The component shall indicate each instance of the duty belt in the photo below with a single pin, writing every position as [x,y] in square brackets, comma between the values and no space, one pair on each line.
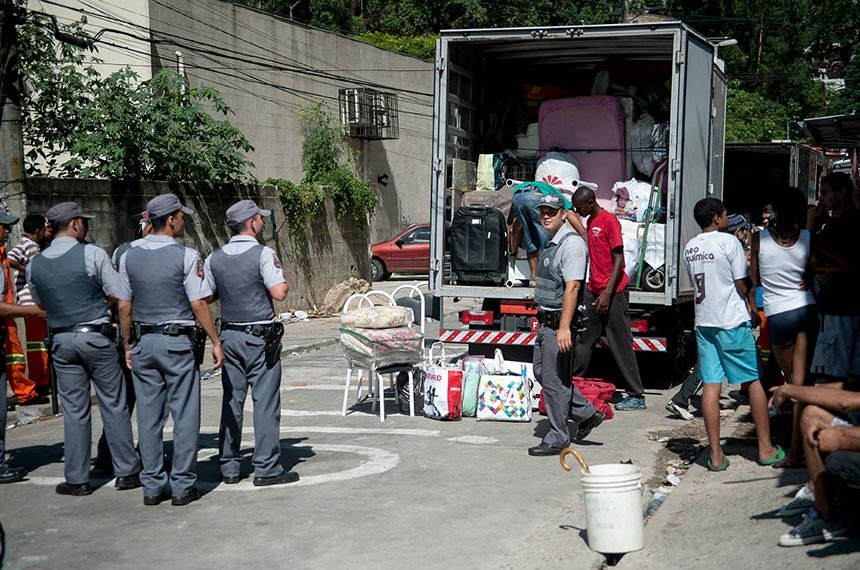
[549,319]
[105,329]
[270,332]
[259,330]
[169,330]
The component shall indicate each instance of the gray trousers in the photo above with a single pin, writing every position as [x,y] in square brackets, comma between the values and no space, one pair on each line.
[561,399]
[616,323]
[164,370]
[245,367]
[79,358]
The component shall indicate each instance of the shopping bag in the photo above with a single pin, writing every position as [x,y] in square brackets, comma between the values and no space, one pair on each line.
[443,386]
[504,398]
[473,369]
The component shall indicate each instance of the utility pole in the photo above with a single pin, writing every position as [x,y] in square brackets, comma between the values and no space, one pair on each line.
[11,139]
[625,11]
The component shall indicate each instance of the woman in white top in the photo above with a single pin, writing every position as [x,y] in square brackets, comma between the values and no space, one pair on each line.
[778,262]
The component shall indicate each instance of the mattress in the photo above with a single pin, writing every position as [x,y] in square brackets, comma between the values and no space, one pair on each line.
[592,130]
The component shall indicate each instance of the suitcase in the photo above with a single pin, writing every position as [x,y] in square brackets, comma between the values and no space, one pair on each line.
[479,246]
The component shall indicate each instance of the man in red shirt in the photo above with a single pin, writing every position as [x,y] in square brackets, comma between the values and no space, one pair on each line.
[606,299]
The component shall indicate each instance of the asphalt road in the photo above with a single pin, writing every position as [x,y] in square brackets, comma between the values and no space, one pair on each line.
[407,491]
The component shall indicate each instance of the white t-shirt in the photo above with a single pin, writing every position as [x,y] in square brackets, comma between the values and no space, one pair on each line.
[715,260]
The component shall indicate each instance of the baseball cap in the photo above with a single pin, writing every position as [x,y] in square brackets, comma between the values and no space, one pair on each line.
[244,210]
[65,212]
[738,222]
[551,201]
[164,205]
[143,220]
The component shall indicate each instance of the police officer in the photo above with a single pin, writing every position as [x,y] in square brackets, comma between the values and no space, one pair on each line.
[9,474]
[162,287]
[73,281]
[247,276]
[103,460]
[561,270]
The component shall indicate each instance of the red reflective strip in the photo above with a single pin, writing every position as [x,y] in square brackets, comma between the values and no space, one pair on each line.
[497,338]
[480,337]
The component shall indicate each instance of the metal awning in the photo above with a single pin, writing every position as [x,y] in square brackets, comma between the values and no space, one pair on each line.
[836,131]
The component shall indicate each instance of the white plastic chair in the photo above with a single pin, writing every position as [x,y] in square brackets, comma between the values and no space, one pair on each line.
[375,371]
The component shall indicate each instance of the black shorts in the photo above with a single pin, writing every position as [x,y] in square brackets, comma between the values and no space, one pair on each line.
[784,327]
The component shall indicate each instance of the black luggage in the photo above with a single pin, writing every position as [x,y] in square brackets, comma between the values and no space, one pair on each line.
[479,246]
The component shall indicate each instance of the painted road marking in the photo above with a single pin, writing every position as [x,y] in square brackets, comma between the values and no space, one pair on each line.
[374,461]
[304,413]
[474,439]
[213,431]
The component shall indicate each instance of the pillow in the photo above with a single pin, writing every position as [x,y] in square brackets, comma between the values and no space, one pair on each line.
[377,317]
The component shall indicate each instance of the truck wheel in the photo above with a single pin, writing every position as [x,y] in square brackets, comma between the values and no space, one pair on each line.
[377,271]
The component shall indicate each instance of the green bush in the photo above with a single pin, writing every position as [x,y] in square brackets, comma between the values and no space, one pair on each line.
[326,164]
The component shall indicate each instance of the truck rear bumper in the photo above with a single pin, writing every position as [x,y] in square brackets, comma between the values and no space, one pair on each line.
[640,343]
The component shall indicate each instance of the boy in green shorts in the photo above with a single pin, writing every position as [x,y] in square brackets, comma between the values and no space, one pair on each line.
[725,316]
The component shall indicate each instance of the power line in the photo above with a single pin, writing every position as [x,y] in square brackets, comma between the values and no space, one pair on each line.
[304,95]
[228,53]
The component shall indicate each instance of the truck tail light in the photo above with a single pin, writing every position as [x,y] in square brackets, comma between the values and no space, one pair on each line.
[639,325]
[478,317]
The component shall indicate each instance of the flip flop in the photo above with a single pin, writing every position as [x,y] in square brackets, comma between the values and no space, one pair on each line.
[778,456]
[789,464]
[721,467]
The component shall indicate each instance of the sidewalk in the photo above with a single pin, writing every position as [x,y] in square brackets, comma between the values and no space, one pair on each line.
[729,520]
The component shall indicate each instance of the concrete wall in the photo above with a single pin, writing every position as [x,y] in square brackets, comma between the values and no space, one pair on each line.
[311,65]
[334,252]
[130,16]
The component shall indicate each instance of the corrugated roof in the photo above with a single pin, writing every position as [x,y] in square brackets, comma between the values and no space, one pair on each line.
[835,131]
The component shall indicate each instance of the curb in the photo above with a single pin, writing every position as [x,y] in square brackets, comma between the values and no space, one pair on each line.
[41,413]
[297,349]
[654,522]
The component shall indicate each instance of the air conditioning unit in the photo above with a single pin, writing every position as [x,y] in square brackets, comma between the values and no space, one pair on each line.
[368,114]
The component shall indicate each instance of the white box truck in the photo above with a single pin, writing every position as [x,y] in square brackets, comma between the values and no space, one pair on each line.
[477,69]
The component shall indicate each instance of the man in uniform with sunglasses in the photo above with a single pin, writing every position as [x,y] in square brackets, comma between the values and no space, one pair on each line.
[560,273]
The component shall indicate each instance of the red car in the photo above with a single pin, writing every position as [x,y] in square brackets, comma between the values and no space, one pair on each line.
[406,252]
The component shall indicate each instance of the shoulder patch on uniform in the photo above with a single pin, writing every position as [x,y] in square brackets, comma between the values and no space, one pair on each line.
[200,272]
[277,262]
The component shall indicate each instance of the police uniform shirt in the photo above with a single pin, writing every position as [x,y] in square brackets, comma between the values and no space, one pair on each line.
[196,286]
[270,267]
[96,262]
[570,257]
[115,256]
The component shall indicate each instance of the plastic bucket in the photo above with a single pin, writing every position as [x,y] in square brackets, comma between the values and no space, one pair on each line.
[613,508]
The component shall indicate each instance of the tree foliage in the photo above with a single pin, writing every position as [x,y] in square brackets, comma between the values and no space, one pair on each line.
[78,123]
[753,118]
